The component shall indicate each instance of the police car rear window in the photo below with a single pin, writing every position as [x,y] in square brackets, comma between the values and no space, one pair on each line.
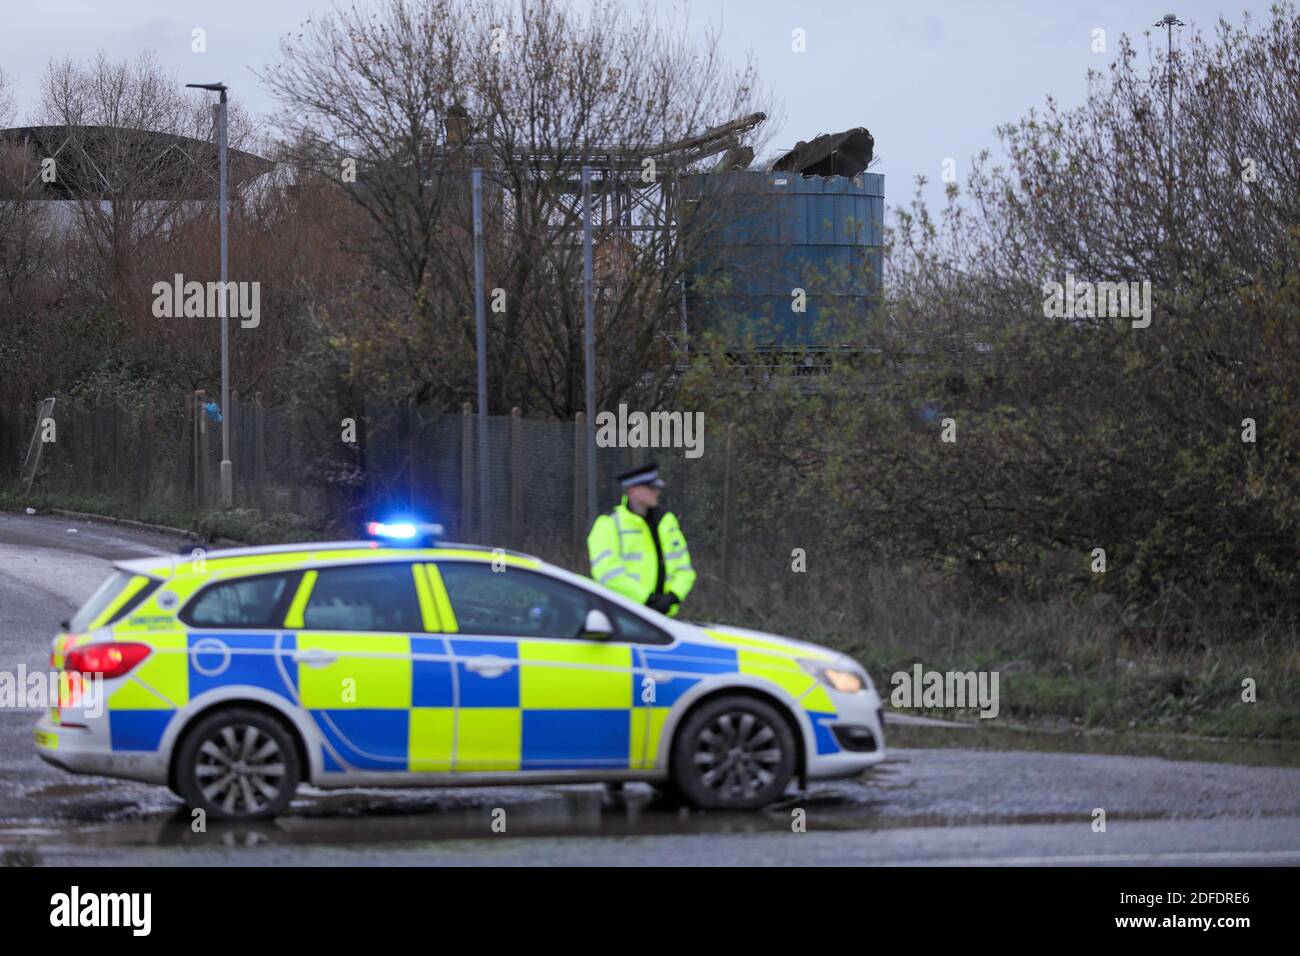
[97,602]
[370,597]
[247,602]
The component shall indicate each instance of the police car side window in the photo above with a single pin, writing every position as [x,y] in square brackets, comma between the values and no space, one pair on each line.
[370,597]
[248,602]
[513,602]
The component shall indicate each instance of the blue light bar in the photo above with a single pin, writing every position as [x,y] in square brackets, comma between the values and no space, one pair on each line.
[378,529]
[403,530]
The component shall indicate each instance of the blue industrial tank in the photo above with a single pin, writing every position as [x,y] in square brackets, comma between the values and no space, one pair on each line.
[753,237]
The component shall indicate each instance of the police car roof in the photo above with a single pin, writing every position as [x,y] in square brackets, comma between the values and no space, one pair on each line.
[308,549]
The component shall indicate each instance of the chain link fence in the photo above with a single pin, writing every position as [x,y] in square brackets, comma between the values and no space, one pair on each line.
[332,474]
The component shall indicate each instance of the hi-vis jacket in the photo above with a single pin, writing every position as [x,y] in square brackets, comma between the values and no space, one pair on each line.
[623,558]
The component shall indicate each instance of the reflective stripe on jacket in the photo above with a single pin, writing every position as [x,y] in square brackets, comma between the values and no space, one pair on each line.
[623,558]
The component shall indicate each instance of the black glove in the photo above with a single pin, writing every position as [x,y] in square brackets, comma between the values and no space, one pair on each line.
[663,603]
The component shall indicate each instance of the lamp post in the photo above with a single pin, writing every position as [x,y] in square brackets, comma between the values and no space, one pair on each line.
[589,342]
[480,344]
[1169,21]
[227,477]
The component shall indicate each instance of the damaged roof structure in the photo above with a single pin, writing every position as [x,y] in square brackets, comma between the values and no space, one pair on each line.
[830,154]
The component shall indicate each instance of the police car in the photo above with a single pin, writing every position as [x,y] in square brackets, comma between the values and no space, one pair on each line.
[402,661]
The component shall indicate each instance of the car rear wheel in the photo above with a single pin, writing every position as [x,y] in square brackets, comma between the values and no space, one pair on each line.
[238,764]
[734,753]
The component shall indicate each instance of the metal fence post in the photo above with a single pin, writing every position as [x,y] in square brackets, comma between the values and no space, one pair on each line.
[32,463]
[465,525]
[204,453]
[294,423]
[146,434]
[728,502]
[259,453]
[516,477]
[96,453]
[412,446]
[196,432]
[120,486]
[579,482]
[232,418]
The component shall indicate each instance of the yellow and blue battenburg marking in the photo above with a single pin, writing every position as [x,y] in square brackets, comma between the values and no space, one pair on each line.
[427,703]
[439,702]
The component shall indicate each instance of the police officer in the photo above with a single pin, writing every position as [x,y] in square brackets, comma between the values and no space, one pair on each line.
[639,550]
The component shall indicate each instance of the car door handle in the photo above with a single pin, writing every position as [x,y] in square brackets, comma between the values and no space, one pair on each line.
[315,657]
[660,677]
[489,666]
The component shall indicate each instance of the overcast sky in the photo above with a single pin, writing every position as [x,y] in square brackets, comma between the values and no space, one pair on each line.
[930,78]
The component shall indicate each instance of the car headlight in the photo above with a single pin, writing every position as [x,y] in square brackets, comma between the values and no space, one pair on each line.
[837,678]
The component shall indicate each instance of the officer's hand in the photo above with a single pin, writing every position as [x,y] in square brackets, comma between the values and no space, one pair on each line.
[662,602]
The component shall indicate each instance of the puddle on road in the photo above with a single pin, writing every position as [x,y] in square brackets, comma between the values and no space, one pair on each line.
[989,736]
[365,818]
[102,814]
[61,790]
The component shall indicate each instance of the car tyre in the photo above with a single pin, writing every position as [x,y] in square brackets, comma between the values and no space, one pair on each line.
[734,753]
[238,764]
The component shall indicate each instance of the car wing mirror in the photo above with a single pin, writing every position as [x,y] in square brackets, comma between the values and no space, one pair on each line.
[597,625]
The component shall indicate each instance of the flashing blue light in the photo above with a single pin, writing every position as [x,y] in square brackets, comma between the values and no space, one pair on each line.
[379,529]
[403,530]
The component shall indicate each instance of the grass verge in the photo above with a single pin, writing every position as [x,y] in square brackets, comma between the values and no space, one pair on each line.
[1061,665]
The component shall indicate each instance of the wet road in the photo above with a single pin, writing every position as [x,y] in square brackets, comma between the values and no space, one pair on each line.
[949,805]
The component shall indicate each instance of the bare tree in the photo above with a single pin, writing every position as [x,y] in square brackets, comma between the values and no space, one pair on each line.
[131,175]
[27,249]
[625,94]
[412,96]
[8,108]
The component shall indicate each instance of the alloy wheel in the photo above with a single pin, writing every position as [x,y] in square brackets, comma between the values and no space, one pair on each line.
[737,754]
[240,768]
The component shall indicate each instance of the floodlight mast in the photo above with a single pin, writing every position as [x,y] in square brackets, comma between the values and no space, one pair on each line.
[227,474]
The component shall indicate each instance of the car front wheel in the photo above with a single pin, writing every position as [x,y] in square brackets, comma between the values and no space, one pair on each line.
[734,753]
[238,764]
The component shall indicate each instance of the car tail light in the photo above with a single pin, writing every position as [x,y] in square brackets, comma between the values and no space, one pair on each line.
[111,660]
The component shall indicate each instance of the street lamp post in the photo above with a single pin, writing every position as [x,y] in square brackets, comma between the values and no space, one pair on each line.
[589,342]
[480,344]
[227,476]
[1169,21]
